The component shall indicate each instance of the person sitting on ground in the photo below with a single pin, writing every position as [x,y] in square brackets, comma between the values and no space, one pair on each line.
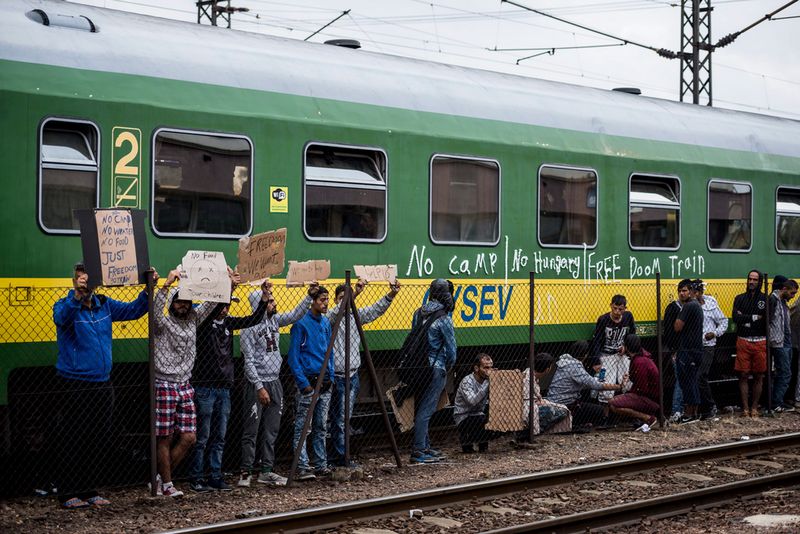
[550,416]
[570,379]
[641,402]
[471,406]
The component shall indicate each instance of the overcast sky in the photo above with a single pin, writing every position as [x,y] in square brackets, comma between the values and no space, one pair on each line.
[759,72]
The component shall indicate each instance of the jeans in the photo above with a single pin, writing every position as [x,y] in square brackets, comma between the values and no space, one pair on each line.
[213,409]
[688,364]
[425,406]
[706,398]
[782,359]
[677,394]
[337,414]
[318,429]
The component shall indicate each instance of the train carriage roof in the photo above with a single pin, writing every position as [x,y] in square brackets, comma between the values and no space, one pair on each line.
[149,46]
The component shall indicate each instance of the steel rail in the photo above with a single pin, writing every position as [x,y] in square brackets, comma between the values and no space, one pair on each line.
[656,508]
[330,516]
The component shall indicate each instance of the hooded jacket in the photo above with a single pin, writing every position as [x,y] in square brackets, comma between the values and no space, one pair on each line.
[84,335]
[441,336]
[569,380]
[367,315]
[779,320]
[749,312]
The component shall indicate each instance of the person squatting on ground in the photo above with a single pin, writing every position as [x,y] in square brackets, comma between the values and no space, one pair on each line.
[441,358]
[749,316]
[175,337]
[549,415]
[689,327]
[85,402]
[263,392]
[309,340]
[570,379]
[212,380]
[641,402]
[780,338]
[471,407]
[367,315]
[715,324]
[609,333]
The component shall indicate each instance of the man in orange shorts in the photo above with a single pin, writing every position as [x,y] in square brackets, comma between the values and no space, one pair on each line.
[749,315]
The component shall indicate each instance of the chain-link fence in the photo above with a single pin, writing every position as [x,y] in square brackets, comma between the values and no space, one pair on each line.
[226,400]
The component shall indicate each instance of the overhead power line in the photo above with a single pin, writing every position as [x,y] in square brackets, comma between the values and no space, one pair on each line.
[344,13]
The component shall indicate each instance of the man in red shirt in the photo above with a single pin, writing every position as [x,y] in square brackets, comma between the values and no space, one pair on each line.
[641,402]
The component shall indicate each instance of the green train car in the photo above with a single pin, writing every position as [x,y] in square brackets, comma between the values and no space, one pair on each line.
[367,159]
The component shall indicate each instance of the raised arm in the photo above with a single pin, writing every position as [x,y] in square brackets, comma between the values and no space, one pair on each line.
[370,313]
[65,310]
[291,317]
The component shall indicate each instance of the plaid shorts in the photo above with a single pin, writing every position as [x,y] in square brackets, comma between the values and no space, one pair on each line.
[175,408]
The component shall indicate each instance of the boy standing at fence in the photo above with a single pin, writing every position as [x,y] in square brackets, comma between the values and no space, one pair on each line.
[367,315]
[607,341]
[175,349]
[263,393]
[86,396]
[689,327]
[212,380]
[780,338]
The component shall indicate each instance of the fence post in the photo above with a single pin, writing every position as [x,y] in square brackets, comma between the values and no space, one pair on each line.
[348,297]
[769,351]
[659,352]
[531,358]
[151,346]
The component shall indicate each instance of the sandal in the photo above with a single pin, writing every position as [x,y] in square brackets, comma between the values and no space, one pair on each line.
[74,504]
[98,501]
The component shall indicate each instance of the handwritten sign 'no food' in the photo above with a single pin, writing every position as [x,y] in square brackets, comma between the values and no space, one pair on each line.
[204,276]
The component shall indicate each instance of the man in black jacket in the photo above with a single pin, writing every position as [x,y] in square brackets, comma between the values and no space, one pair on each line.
[212,379]
[749,315]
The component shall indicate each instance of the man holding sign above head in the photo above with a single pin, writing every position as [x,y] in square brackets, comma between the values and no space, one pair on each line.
[83,330]
[367,315]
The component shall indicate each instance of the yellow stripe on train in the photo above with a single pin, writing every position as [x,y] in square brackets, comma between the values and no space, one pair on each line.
[27,310]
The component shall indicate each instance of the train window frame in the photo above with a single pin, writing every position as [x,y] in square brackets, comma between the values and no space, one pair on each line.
[190,131]
[539,211]
[333,182]
[708,215]
[778,213]
[499,199]
[679,208]
[66,165]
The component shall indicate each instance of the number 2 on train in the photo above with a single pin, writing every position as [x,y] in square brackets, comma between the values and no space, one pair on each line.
[126,158]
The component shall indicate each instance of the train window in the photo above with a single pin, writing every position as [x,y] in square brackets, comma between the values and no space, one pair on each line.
[654,208]
[787,215]
[345,193]
[464,201]
[69,173]
[729,215]
[202,184]
[567,207]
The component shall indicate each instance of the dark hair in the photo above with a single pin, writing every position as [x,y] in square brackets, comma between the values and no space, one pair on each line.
[579,349]
[479,358]
[619,300]
[791,284]
[779,282]
[633,343]
[697,285]
[685,283]
[321,290]
[79,267]
[339,290]
[543,362]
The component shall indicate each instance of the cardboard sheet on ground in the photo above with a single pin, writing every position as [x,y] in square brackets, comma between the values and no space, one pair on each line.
[376,273]
[204,276]
[307,271]
[261,256]
[505,400]
[114,246]
[404,415]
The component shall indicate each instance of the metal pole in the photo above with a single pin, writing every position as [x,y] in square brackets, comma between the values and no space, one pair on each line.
[659,352]
[769,351]
[531,358]
[348,303]
[151,350]
[695,51]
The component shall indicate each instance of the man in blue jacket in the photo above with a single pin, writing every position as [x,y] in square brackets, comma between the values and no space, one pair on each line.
[310,337]
[86,404]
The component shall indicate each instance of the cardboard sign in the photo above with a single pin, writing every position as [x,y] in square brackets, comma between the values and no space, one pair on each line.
[307,271]
[262,255]
[404,414]
[376,273]
[114,246]
[505,401]
[204,276]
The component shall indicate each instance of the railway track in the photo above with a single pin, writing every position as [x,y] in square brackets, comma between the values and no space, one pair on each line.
[332,516]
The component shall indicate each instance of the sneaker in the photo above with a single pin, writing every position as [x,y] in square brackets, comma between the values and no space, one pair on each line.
[644,428]
[169,490]
[423,458]
[98,501]
[788,408]
[270,478]
[244,480]
[219,484]
[687,419]
[710,414]
[305,474]
[676,417]
[437,453]
[158,486]
[74,504]
[200,486]
[322,472]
